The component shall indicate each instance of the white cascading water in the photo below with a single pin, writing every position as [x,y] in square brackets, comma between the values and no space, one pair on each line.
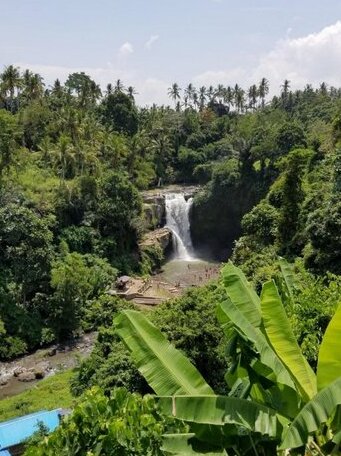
[177,220]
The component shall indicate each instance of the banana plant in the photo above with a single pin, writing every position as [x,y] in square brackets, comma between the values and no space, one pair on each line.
[275,400]
[216,422]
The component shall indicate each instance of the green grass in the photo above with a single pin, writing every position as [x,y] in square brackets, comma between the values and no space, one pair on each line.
[51,393]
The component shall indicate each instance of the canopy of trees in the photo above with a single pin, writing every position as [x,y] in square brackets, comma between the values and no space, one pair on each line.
[74,158]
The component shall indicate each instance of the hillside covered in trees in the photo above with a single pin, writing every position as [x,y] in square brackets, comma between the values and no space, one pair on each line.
[74,159]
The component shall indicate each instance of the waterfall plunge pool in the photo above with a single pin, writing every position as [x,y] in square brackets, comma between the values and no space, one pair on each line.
[185,273]
[184,268]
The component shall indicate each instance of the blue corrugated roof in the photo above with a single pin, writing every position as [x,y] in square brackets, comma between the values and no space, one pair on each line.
[15,431]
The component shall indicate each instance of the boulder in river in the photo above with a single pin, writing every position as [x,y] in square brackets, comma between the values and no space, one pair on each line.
[19,370]
[39,373]
[27,376]
[52,351]
[4,380]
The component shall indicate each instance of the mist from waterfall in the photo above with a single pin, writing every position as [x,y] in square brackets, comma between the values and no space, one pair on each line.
[177,220]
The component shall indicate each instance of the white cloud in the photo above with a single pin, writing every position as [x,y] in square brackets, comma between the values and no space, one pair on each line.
[310,59]
[151,41]
[307,60]
[126,49]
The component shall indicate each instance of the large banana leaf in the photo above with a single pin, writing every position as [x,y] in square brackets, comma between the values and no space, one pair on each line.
[222,410]
[317,412]
[166,369]
[227,312]
[241,293]
[189,445]
[278,397]
[288,276]
[329,361]
[283,341]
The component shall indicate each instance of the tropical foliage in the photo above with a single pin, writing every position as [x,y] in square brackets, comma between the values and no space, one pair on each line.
[249,370]
[275,399]
[123,423]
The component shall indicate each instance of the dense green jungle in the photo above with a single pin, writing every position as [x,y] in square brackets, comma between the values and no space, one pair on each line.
[248,364]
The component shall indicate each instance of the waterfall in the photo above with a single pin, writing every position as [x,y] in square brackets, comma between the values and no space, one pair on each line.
[177,220]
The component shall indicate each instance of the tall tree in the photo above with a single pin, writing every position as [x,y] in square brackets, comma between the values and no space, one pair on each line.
[263,90]
[11,82]
[189,92]
[131,92]
[220,90]
[211,93]
[239,98]
[285,92]
[253,95]
[174,92]
[119,87]
[228,96]
[202,97]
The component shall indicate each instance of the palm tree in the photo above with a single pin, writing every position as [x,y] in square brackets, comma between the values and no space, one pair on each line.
[57,89]
[323,89]
[239,98]
[174,92]
[285,91]
[263,90]
[220,92]
[211,93]
[286,86]
[45,149]
[94,92]
[131,92]
[253,95]
[119,87]
[162,148]
[202,97]
[11,82]
[64,158]
[195,99]
[33,85]
[109,88]
[228,96]
[189,92]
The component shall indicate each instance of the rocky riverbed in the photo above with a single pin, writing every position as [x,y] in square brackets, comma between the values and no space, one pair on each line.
[18,375]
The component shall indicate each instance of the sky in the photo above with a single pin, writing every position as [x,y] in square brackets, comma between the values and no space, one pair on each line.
[150,44]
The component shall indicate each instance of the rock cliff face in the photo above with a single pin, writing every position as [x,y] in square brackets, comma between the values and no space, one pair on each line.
[161,237]
[216,217]
[154,248]
[154,211]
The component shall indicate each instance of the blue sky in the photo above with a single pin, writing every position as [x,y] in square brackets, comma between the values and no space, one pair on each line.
[151,43]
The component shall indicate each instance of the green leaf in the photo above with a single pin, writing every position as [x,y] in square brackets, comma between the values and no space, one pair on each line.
[187,445]
[279,397]
[329,360]
[166,369]
[317,412]
[221,410]
[227,312]
[283,341]
[288,276]
[241,293]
